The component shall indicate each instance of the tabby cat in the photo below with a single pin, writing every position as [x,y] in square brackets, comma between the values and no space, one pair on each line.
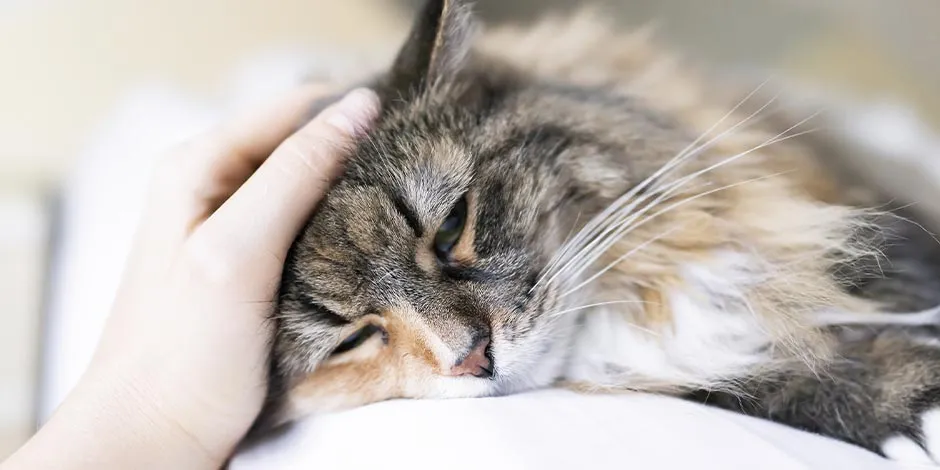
[563,205]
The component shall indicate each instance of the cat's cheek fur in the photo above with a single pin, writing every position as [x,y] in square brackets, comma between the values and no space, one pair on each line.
[410,364]
[536,360]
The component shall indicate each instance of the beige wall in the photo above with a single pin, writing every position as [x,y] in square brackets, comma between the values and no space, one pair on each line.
[66,61]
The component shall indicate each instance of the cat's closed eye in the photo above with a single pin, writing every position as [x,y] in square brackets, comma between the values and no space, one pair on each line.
[357,339]
[450,231]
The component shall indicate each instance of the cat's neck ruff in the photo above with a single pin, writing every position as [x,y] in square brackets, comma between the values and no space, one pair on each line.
[714,333]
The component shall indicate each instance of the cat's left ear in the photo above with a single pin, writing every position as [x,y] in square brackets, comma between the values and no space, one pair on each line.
[436,48]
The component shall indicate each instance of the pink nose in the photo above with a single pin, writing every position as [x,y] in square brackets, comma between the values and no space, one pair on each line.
[476,363]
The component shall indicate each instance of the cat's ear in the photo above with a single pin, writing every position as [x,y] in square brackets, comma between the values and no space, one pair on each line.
[436,48]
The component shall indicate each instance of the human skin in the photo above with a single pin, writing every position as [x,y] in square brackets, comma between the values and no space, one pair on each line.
[180,372]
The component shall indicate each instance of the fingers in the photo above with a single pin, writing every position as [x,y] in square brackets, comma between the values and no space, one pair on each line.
[197,177]
[254,135]
[268,211]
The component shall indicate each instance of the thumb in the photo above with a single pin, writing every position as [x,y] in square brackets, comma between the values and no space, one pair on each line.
[276,201]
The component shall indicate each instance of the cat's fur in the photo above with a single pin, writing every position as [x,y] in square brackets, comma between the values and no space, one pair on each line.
[720,244]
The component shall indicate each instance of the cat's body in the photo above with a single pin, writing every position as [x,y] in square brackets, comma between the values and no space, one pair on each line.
[566,205]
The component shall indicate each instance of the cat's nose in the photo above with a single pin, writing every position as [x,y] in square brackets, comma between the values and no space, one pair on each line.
[477,363]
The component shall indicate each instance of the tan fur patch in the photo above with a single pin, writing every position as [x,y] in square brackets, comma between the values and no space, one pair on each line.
[385,374]
[424,255]
[656,306]
[464,251]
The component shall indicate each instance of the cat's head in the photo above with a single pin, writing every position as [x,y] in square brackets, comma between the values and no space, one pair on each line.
[431,268]
[421,274]
[417,275]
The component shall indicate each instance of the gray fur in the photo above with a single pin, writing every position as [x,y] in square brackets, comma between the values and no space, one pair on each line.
[540,157]
[883,378]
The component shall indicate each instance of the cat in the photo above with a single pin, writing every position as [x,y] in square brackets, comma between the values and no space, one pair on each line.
[565,205]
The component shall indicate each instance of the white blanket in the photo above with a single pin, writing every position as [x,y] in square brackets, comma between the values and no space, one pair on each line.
[544,430]
[551,430]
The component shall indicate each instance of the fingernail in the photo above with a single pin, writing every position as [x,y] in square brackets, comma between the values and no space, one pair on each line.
[355,111]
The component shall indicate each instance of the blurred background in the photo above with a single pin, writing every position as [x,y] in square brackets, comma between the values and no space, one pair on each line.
[91,89]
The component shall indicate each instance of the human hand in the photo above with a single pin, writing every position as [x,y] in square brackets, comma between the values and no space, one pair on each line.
[182,364]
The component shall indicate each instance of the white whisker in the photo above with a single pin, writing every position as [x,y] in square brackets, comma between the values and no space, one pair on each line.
[610,224]
[556,259]
[597,252]
[601,304]
[619,260]
[587,255]
[594,225]
[591,253]
[386,275]
[668,208]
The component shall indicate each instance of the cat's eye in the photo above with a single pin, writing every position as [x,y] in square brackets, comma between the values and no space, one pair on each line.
[357,339]
[450,231]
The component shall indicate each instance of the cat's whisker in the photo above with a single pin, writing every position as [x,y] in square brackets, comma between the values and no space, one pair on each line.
[386,275]
[609,223]
[602,304]
[727,132]
[773,140]
[589,254]
[776,139]
[628,215]
[673,187]
[555,259]
[620,259]
[588,257]
[689,151]
[669,208]
[692,152]
[596,253]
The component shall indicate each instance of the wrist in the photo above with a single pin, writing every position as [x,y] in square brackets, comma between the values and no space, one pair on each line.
[105,424]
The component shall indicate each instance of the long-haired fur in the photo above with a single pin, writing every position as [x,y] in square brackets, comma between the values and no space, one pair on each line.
[626,223]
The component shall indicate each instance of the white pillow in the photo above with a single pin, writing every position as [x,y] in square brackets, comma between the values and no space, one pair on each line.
[550,430]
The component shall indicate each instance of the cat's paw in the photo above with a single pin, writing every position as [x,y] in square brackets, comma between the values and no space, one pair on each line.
[921,449]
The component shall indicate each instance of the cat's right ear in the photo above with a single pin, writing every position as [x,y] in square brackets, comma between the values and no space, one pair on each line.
[436,48]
